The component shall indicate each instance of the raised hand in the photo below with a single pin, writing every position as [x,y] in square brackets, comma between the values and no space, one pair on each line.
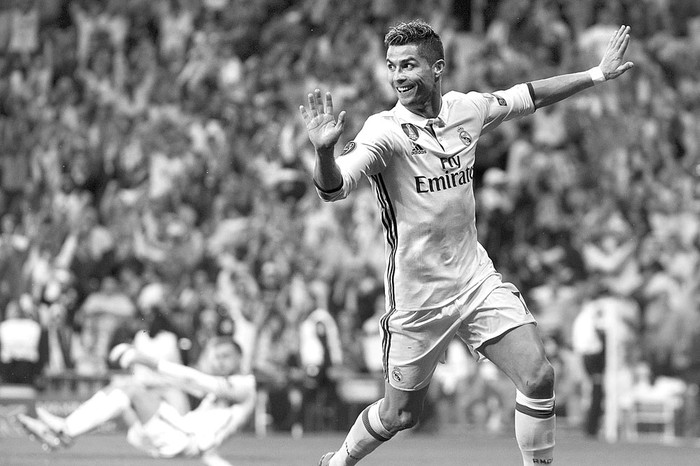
[324,131]
[612,64]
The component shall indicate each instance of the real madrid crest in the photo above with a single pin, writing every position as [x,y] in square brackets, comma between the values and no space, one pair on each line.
[464,136]
[410,130]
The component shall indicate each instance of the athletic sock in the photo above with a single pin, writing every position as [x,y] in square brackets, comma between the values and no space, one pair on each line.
[100,408]
[364,437]
[535,425]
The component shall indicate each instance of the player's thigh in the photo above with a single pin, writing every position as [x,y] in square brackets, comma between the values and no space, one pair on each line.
[520,354]
[144,402]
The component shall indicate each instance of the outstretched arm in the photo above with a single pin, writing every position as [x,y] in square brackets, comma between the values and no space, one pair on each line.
[552,90]
[196,382]
[324,132]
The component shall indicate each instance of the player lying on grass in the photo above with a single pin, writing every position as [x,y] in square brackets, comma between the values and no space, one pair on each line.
[155,426]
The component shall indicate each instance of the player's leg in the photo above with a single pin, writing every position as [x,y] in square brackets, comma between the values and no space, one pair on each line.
[378,423]
[519,353]
[38,431]
[410,367]
[105,405]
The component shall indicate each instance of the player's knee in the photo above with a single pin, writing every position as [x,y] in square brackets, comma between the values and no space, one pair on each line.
[395,421]
[539,381]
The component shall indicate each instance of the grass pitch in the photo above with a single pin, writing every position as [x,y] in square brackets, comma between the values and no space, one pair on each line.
[443,449]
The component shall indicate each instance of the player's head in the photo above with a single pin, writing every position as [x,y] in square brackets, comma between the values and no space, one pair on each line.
[417,33]
[415,61]
[221,356]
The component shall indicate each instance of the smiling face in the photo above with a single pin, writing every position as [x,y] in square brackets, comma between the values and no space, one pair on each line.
[415,80]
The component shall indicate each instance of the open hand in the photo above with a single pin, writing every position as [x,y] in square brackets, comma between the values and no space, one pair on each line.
[612,63]
[324,131]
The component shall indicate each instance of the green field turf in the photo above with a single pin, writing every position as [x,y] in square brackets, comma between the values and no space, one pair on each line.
[446,449]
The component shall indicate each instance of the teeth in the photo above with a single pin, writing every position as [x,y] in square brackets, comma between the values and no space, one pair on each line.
[403,88]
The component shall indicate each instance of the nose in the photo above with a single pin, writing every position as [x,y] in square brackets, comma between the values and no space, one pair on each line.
[398,76]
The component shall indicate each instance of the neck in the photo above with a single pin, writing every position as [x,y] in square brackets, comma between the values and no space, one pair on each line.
[430,108]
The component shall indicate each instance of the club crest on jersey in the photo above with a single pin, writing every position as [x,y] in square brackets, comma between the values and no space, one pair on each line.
[349,147]
[464,136]
[410,130]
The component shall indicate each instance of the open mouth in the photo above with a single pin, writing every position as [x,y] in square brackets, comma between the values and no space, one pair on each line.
[403,89]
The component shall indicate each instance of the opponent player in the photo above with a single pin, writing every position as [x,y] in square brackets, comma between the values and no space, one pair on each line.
[155,426]
[439,281]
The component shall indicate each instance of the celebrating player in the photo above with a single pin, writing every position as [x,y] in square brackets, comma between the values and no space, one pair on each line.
[439,281]
[155,426]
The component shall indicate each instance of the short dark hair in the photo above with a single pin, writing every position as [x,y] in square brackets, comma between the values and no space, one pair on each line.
[225,340]
[420,33]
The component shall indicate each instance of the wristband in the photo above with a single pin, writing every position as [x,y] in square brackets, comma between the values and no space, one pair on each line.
[596,75]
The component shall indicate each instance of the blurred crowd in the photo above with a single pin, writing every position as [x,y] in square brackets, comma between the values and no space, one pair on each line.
[156,181]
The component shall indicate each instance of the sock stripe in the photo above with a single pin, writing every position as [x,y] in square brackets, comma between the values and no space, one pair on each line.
[536,413]
[372,432]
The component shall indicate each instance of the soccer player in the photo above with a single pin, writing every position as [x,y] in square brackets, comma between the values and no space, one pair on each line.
[439,281]
[155,426]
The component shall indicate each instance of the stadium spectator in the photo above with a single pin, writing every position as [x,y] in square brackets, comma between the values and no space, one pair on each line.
[103,312]
[321,357]
[588,338]
[23,344]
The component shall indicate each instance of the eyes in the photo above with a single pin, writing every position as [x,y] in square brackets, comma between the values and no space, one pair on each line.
[404,66]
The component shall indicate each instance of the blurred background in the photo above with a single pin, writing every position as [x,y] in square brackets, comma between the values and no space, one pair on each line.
[155,187]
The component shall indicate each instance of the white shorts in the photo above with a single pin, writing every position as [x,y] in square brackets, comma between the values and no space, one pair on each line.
[168,433]
[415,342]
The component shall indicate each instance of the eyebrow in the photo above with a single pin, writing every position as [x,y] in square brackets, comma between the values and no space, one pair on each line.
[404,60]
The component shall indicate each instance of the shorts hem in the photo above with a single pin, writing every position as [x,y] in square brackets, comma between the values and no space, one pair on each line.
[500,335]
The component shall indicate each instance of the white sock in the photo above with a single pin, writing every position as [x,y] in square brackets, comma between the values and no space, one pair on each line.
[100,408]
[535,425]
[364,437]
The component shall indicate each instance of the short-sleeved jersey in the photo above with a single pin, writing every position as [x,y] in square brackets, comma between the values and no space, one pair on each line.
[422,178]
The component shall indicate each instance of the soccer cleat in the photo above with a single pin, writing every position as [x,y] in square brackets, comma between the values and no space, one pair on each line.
[56,424]
[326,459]
[39,432]
[123,354]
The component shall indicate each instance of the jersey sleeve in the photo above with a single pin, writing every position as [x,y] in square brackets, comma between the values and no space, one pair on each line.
[500,106]
[366,155]
[235,388]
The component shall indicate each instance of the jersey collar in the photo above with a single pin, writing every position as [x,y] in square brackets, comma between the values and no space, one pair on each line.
[405,114]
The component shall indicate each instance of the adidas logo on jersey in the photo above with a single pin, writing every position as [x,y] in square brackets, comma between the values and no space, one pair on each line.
[418,150]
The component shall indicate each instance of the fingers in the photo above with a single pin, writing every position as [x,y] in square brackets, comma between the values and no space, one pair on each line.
[317,105]
[304,113]
[328,103]
[341,120]
[318,101]
[620,40]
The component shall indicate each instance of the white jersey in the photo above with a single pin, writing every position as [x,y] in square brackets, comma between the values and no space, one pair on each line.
[422,179]
[169,433]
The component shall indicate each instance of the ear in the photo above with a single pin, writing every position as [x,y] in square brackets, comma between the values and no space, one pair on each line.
[438,68]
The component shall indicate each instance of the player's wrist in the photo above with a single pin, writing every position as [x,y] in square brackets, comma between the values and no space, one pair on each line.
[596,74]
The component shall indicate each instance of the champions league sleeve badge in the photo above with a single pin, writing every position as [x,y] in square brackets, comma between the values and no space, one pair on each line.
[501,101]
[410,130]
[349,147]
